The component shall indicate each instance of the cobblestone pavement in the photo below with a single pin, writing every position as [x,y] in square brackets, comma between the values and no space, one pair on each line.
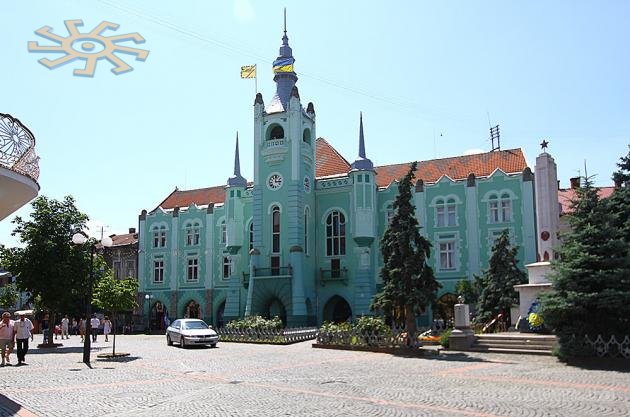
[298,380]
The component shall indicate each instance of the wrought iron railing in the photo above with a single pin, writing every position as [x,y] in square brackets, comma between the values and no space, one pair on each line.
[396,338]
[17,147]
[273,271]
[610,347]
[281,336]
[333,275]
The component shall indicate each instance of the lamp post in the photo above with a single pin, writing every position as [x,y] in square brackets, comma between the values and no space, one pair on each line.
[148,298]
[81,239]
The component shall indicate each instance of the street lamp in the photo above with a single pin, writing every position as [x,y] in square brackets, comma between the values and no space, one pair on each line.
[81,239]
[148,298]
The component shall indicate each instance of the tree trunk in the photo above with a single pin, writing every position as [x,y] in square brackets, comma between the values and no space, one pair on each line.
[410,322]
[114,334]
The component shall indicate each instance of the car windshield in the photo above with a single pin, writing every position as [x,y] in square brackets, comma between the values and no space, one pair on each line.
[194,325]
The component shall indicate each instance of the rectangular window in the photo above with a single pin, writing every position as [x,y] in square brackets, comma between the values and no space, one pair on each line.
[193,269]
[156,239]
[494,211]
[335,268]
[360,178]
[367,178]
[116,269]
[227,267]
[440,216]
[447,255]
[275,265]
[162,239]
[506,210]
[130,269]
[452,215]
[158,271]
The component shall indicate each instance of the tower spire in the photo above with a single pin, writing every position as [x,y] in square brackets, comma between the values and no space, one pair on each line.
[237,180]
[284,75]
[362,162]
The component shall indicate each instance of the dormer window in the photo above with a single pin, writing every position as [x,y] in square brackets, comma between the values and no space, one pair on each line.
[277,132]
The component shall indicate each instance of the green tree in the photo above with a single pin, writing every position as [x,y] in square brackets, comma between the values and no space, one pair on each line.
[115,296]
[409,285]
[48,265]
[592,277]
[469,290]
[8,296]
[497,293]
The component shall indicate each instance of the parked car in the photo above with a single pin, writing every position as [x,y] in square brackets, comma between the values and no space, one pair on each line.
[188,332]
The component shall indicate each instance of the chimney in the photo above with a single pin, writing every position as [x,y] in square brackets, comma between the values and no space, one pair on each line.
[132,230]
[575,182]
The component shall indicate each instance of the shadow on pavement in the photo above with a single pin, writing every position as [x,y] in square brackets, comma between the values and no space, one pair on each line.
[121,359]
[601,364]
[61,349]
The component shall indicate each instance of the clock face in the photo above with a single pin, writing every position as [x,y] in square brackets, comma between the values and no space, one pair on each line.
[307,184]
[275,181]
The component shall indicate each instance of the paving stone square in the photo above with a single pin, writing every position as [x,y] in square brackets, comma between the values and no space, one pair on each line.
[297,380]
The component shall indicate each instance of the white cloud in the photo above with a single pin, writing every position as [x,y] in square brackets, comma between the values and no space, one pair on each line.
[474,151]
[244,11]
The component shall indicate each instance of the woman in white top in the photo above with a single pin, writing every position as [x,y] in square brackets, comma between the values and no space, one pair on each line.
[107,327]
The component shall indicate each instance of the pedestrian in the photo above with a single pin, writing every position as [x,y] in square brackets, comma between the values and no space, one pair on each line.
[23,330]
[45,328]
[75,326]
[95,323]
[7,337]
[107,327]
[82,328]
[65,323]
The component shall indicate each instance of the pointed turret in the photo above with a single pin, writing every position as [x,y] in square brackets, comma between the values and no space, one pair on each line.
[284,76]
[237,179]
[362,163]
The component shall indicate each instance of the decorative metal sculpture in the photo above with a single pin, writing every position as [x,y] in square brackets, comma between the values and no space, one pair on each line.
[90,47]
[17,147]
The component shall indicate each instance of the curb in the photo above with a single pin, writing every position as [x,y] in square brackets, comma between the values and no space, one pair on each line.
[13,408]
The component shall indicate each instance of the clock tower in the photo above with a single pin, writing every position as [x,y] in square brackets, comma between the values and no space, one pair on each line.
[284,200]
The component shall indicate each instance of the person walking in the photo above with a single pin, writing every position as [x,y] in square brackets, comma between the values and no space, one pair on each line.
[65,324]
[107,327]
[23,330]
[7,337]
[75,326]
[95,323]
[45,328]
[82,328]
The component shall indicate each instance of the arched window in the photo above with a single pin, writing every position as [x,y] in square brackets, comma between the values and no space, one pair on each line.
[335,234]
[223,232]
[506,208]
[192,234]
[251,236]
[275,229]
[306,216]
[306,136]
[159,236]
[440,213]
[277,132]
[451,212]
[493,209]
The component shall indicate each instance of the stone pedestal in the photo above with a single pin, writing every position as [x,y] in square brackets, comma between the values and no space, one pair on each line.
[462,337]
[538,282]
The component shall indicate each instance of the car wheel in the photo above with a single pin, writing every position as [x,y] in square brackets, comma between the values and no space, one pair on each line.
[169,342]
[213,345]
[182,342]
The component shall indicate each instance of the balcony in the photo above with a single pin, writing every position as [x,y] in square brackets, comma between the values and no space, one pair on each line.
[333,275]
[277,272]
[19,168]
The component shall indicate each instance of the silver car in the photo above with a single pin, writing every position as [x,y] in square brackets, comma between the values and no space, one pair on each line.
[188,332]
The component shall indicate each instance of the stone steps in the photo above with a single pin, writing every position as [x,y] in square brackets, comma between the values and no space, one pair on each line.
[475,348]
[514,343]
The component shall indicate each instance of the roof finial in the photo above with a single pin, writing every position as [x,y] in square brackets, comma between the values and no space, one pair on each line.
[543,145]
[285,21]
[237,180]
[362,162]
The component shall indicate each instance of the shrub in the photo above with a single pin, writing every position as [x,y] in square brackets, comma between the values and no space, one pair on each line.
[371,325]
[444,338]
[335,327]
[256,323]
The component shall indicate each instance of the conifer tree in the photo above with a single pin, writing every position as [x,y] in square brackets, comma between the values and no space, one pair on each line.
[592,277]
[409,285]
[497,293]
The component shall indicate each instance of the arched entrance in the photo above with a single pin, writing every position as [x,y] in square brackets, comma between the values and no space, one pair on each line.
[220,320]
[444,308]
[192,310]
[337,310]
[275,308]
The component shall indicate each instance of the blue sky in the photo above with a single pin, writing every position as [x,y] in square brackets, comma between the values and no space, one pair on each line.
[426,75]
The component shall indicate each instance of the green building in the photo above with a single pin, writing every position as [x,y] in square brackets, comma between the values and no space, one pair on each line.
[301,240]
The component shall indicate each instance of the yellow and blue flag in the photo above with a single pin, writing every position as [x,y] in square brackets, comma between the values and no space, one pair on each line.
[283,65]
[248,71]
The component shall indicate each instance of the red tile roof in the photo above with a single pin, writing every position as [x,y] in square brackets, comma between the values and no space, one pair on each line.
[566,195]
[126,239]
[329,161]
[200,196]
[457,168]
